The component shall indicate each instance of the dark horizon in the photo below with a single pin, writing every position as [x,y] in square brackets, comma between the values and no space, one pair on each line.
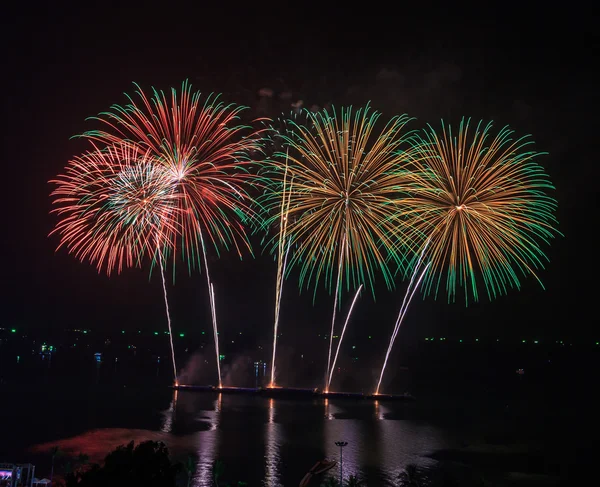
[69,65]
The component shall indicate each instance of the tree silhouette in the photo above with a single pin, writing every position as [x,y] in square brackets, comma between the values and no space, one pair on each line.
[330,482]
[82,459]
[73,469]
[190,468]
[410,477]
[54,451]
[353,481]
[218,468]
[144,465]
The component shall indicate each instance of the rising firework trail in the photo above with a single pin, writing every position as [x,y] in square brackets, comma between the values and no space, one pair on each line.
[279,290]
[342,204]
[213,311]
[281,269]
[164,285]
[215,331]
[410,291]
[328,385]
[201,143]
[335,301]
[116,207]
[479,209]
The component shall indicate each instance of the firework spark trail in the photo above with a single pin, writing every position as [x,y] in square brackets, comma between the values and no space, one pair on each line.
[200,143]
[403,309]
[346,181]
[481,200]
[213,312]
[277,311]
[281,265]
[342,336]
[347,178]
[164,284]
[113,204]
[117,206]
[335,300]
[214,318]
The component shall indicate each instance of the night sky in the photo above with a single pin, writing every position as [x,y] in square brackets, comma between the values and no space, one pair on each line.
[532,70]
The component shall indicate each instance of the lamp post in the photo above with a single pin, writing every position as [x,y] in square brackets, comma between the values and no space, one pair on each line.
[341,444]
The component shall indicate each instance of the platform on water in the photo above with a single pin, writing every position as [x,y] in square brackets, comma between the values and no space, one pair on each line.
[352,395]
[288,392]
[293,392]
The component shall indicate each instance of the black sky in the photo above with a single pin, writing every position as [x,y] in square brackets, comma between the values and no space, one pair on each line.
[530,69]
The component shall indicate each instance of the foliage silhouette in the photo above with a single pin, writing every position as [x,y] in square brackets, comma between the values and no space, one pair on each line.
[354,481]
[218,470]
[144,465]
[54,451]
[190,468]
[411,476]
[330,482]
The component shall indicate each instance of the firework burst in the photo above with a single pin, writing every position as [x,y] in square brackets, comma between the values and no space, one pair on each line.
[343,182]
[115,207]
[481,208]
[478,214]
[341,191]
[200,143]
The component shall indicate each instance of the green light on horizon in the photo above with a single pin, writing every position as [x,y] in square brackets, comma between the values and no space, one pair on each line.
[476,339]
[156,333]
[85,332]
[460,340]
[122,331]
[524,341]
[182,334]
[204,333]
[535,341]
[369,336]
[13,330]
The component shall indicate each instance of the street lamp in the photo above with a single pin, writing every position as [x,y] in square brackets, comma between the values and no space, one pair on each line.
[341,444]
